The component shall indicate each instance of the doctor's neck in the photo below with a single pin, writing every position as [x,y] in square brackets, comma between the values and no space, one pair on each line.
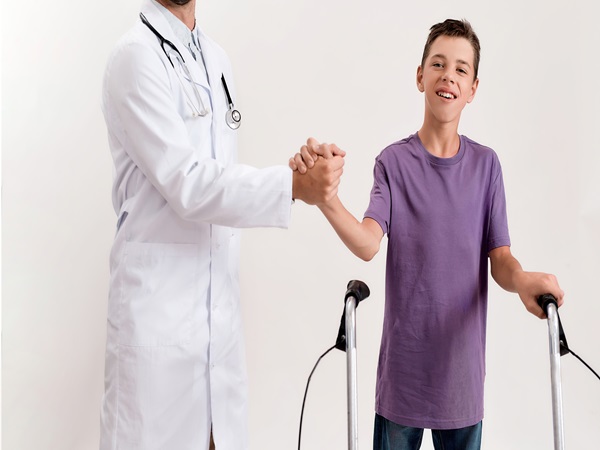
[184,10]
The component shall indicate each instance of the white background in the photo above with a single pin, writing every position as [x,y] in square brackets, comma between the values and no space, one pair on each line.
[342,71]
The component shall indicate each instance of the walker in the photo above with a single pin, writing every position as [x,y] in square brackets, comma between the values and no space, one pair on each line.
[346,341]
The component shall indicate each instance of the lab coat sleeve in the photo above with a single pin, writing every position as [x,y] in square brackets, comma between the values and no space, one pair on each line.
[140,109]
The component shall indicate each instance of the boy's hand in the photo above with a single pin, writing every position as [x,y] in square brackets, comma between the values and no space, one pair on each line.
[509,274]
[319,184]
[310,152]
[533,284]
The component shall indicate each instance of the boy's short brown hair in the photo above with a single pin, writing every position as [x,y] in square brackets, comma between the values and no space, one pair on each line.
[454,28]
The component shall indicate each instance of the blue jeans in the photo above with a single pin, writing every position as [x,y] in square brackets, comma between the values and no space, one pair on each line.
[391,436]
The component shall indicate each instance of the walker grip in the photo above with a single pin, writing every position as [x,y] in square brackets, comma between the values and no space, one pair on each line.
[545,300]
[358,290]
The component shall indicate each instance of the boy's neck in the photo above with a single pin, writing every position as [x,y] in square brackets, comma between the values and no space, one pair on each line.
[441,141]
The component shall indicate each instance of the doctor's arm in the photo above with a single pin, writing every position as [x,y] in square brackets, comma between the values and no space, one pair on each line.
[147,125]
[510,276]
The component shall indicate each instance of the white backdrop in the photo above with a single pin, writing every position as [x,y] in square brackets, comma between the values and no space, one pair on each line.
[342,71]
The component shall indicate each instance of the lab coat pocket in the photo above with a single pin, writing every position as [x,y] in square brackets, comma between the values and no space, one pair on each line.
[158,286]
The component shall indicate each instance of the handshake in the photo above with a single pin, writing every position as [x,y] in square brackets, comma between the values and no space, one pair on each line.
[317,171]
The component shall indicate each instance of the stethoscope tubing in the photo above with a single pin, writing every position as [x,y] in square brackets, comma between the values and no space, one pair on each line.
[233,117]
[162,40]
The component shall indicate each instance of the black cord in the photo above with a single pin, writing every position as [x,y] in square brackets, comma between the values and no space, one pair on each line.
[581,360]
[306,391]
[565,347]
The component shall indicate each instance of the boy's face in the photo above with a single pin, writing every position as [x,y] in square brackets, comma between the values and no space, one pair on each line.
[447,79]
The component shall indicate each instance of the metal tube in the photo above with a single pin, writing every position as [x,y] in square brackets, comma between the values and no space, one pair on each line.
[557,406]
[350,311]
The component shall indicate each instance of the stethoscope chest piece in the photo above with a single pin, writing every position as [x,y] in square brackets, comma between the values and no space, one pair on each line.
[233,118]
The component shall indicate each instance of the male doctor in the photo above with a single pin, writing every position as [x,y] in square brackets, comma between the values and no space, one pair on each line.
[175,371]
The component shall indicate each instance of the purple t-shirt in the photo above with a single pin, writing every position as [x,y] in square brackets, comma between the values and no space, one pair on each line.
[442,217]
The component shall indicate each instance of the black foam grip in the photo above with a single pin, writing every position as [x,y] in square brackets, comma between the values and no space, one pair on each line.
[358,290]
[545,300]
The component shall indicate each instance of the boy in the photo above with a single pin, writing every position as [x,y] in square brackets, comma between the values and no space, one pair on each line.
[440,199]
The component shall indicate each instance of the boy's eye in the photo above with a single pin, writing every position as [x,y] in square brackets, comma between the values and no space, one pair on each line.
[463,71]
[437,64]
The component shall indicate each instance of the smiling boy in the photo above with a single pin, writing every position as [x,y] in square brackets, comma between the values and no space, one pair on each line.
[439,197]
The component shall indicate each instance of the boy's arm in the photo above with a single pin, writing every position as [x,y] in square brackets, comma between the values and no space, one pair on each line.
[510,276]
[362,238]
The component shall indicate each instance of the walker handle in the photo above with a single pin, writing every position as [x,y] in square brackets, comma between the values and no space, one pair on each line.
[545,300]
[358,290]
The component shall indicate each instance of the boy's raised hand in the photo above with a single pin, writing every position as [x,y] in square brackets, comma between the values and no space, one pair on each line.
[309,153]
[317,171]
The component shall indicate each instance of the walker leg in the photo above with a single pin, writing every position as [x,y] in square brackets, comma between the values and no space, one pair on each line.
[350,312]
[550,307]
[346,341]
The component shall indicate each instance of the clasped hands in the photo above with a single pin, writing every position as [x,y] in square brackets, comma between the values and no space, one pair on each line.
[317,169]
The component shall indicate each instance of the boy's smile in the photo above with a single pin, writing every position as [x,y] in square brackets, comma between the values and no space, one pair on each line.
[447,94]
[447,80]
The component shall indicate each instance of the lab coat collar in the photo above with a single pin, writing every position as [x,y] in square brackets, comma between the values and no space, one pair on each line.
[158,21]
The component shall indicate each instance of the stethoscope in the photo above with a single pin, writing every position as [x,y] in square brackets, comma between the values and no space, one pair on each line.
[233,117]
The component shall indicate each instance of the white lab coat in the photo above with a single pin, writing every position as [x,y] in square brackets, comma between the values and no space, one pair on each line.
[175,358]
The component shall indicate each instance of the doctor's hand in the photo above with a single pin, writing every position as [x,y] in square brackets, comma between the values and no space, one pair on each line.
[319,184]
[310,152]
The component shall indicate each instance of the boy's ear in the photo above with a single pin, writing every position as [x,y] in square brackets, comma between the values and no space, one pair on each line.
[420,79]
[473,90]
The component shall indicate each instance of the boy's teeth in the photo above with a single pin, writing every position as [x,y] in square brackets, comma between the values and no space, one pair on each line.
[445,95]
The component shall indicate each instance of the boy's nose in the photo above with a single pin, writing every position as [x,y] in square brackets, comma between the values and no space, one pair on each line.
[448,77]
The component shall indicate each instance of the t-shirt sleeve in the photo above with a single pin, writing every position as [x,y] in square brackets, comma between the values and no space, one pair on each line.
[498,235]
[380,202]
